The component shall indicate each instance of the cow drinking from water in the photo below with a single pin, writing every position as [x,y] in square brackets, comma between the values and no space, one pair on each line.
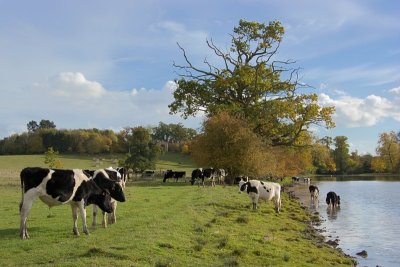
[56,187]
[332,199]
[261,190]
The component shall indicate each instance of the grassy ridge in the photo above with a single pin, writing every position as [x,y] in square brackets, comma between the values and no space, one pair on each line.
[172,224]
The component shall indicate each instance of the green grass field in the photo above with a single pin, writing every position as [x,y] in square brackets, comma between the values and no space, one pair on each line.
[171,224]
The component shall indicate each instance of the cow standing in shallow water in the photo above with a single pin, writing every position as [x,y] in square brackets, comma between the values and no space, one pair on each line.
[314,194]
[332,200]
[56,187]
[261,190]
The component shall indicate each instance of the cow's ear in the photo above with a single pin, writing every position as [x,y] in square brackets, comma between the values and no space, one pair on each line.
[247,178]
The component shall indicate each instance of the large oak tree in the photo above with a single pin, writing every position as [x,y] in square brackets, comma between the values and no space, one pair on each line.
[251,82]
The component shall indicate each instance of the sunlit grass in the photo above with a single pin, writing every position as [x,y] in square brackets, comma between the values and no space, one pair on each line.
[173,224]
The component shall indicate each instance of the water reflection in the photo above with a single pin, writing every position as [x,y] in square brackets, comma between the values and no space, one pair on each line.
[314,204]
[332,212]
[363,222]
[342,178]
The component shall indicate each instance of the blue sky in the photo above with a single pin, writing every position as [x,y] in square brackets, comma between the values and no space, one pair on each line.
[108,64]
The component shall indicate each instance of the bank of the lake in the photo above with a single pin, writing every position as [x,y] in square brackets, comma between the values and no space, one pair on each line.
[300,192]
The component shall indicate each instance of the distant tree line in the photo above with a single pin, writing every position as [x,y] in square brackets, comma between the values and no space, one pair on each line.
[41,136]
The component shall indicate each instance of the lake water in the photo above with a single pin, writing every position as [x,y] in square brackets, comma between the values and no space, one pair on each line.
[368,218]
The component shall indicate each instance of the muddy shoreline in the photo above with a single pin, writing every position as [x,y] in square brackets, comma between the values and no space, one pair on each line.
[300,192]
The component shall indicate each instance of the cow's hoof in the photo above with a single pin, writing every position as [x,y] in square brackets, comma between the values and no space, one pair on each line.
[86,232]
[75,231]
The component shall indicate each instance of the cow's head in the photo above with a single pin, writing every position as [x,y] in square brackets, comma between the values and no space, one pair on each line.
[117,192]
[110,180]
[103,200]
[338,200]
[243,183]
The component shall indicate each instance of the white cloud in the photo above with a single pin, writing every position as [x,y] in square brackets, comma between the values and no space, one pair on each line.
[72,101]
[395,91]
[359,112]
[74,85]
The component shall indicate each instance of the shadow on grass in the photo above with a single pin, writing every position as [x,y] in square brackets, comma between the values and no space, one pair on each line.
[95,252]
[11,233]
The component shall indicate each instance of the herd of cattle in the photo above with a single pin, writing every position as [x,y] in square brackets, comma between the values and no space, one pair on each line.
[105,187]
[199,176]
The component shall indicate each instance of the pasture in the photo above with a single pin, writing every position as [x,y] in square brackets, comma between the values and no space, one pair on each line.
[171,224]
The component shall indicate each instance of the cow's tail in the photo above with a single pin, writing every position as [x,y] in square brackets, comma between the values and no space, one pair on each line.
[22,190]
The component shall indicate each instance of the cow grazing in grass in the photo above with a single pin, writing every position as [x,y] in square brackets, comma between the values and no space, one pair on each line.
[197,176]
[56,187]
[180,175]
[314,193]
[261,190]
[174,174]
[168,174]
[332,199]
[109,179]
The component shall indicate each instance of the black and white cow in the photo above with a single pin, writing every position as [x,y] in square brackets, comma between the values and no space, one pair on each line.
[197,176]
[261,190]
[56,187]
[124,173]
[111,180]
[221,174]
[174,174]
[295,179]
[314,193]
[180,175]
[168,174]
[332,199]
[210,175]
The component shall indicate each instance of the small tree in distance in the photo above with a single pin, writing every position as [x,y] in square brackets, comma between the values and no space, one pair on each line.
[51,159]
[143,152]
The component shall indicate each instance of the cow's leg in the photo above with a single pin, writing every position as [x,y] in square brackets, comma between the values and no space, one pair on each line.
[254,200]
[75,219]
[94,221]
[25,206]
[104,220]
[277,203]
[112,217]
[83,215]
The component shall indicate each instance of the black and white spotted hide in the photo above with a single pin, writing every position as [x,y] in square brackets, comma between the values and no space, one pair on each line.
[262,190]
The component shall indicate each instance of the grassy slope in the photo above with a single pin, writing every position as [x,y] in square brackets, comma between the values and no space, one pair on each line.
[166,225]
